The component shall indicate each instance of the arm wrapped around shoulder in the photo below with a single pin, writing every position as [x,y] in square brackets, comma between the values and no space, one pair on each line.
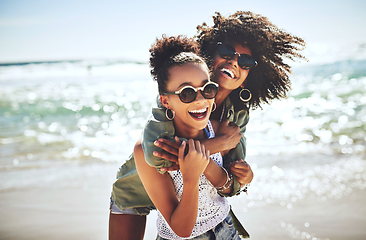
[157,127]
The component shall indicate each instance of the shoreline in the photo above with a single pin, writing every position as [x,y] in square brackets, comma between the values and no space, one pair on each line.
[78,208]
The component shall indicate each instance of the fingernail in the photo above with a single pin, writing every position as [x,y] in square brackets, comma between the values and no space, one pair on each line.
[156,143]
[155,153]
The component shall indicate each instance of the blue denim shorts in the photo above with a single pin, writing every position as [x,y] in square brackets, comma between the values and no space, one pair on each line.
[225,230]
[132,211]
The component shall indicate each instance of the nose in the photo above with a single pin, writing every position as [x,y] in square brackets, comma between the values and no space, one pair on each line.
[234,60]
[199,96]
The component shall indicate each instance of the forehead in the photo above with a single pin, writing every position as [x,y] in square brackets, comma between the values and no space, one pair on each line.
[188,74]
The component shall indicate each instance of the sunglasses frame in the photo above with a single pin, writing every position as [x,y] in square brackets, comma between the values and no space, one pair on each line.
[201,89]
[233,53]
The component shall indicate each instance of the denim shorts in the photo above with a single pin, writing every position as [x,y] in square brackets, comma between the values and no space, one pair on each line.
[132,211]
[225,230]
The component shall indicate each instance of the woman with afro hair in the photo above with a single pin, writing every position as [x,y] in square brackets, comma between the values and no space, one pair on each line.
[245,53]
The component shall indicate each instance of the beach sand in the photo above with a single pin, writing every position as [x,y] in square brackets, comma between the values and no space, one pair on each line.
[78,209]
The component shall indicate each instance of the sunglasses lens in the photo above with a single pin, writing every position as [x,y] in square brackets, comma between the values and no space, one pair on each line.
[226,51]
[246,62]
[210,91]
[187,95]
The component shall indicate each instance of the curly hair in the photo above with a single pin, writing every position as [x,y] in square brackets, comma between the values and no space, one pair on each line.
[268,44]
[167,52]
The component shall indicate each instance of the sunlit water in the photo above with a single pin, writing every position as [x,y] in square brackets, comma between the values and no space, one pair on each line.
[309,147]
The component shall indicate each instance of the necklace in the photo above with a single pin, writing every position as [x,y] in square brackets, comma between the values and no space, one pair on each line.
[222,113]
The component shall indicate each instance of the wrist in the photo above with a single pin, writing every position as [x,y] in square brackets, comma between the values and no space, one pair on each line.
[228,182]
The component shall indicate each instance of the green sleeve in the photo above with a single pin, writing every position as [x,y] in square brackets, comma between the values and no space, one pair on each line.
[158,126]
[241,119]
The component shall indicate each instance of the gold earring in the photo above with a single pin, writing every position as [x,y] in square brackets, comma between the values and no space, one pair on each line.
[245,95]
[167,114]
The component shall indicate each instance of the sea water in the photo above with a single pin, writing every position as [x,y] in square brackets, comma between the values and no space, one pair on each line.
[310,146]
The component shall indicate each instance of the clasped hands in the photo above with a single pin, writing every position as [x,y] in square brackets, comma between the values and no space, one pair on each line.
[228,133]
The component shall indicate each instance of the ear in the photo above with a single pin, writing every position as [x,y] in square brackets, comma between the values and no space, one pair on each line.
[165,101]
[243,84]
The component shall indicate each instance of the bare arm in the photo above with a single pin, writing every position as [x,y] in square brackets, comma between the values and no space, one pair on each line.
[240,168]
[214,173]
[227,137]
[180,215]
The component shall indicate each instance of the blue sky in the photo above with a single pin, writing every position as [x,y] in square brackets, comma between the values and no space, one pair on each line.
[37,30]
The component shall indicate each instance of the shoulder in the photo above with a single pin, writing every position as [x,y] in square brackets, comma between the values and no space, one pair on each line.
[141,165]
[138,151]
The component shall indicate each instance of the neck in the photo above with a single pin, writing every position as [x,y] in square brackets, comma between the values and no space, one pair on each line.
[219,100]
[182,130]
[221,96]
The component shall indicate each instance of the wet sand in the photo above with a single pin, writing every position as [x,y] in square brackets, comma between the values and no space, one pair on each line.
[79,210]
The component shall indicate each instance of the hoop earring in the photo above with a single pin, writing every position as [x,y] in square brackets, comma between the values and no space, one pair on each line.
[245,95]
[167,114]
[214,107]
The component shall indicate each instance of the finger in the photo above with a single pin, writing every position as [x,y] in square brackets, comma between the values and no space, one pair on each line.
[237,172]
[181,151]
[225,122]
[167,156]
[171,143]
[240,167]
[240,164]
[203,150]
[208,152]
[232,124]
[178,141]
[166,147]
[198,146]
[191,145]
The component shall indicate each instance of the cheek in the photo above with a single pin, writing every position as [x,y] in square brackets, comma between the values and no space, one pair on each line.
[244,75]
[179,107]
[217,61]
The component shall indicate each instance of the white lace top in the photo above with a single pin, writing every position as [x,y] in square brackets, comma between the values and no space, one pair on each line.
[212,208]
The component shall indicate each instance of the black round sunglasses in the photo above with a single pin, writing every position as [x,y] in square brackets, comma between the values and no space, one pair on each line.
[188,94]
[245,61]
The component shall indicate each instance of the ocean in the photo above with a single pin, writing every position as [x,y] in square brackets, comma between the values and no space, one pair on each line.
[66,120]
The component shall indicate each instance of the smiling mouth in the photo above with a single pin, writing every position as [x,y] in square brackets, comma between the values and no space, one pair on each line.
[228,72]
[199,113]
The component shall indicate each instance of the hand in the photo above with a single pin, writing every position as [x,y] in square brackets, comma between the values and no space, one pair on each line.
[229,133]
[170,152]
[242,171]
[195,162]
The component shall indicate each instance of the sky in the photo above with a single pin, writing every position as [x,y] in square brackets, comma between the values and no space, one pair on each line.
[44,30]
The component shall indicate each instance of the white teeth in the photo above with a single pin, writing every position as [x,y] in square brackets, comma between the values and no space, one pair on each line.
[198,111]
[228,72]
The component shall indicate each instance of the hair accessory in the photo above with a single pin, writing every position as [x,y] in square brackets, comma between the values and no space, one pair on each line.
[245,95]
[167,114]
[214,107]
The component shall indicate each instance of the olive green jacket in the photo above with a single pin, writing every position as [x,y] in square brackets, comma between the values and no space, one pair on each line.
[128,191]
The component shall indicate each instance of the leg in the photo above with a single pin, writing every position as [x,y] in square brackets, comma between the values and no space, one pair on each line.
[126,227]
